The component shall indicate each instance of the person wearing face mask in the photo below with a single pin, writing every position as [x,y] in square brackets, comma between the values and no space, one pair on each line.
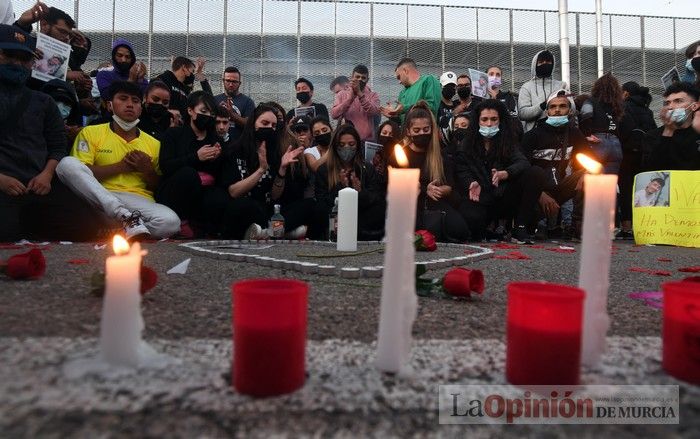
[459,127]
[64,94]
[448,81]
[345,167]
[260,172]
[191,160]
[467,101]
[357,103]
[674,145]
[305,94]
[124,68]
[691,69]
[180,79]
[316,155]
[114,167]
[496,180]
[552,145]
[532,97]
[34,204]
[388,135]
[437,202]
[155,118]
[495,91]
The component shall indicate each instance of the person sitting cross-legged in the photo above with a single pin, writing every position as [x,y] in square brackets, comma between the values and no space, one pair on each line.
[114,166]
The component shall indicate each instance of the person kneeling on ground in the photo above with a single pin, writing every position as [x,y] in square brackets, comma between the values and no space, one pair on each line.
[345,167]
[114,166]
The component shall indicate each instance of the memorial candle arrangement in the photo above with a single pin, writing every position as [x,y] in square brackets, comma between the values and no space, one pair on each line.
[122,323]
[398,302]
[594,272]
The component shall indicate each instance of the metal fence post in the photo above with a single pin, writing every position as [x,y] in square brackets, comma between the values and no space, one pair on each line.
[262,43]
[187,37]
[76,11]
[544,18]
[442,35]
[610,36]
[150,37]
[298,38]
[477,39]
[114,17]
[512,52]
[223,54]
[407,30]
[371,43]
[675,46]
[335,38]
[644,52]
[578,51]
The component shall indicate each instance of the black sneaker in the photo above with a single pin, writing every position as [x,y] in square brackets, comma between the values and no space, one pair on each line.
[520,235]
[134,227]
[624,235]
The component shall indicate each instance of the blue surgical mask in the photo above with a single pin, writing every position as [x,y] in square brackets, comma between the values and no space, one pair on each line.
[488,132]
[557,121]
[14,74]
[689,64]
[64,109]
[678,115]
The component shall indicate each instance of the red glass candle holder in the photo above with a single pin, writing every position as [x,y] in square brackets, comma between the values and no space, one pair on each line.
[681,330]
[269,336]
[543,334]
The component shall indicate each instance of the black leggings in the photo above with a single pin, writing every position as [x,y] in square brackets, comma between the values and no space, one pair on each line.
[454,227]
[518,202]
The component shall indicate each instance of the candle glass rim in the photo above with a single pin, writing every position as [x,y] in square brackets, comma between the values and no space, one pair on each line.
[268,286]
[684,288]
[545,290]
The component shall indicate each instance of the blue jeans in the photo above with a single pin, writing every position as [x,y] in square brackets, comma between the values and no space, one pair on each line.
[609,152]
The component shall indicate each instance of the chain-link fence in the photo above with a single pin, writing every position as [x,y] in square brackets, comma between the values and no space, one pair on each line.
[275,41]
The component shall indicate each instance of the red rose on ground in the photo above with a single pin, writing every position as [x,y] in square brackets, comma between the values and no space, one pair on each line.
[29,265]
[463,282]
[425,241]
[149,279]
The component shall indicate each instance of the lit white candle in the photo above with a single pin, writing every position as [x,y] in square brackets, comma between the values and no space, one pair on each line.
[594,272]
[122,323]
[347,220]
[399,302]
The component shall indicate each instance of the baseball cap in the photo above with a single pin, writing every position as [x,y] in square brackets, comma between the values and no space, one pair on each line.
[301,121]
[14,38]
[448,78]
[561,93]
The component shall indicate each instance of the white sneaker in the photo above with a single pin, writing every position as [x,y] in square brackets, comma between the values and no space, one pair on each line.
[134,226]
[298,233]
[255,233]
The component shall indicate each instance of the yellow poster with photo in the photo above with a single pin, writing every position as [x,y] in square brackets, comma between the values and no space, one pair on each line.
[666,208]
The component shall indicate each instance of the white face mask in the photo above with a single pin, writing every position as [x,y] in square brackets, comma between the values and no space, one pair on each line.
[126,126]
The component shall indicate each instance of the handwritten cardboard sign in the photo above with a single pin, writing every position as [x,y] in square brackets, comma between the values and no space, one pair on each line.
[666,208]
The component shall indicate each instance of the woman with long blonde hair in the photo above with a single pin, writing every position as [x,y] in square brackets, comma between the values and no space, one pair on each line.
[437,203]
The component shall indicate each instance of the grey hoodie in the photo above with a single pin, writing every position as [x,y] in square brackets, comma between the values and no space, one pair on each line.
[533,93]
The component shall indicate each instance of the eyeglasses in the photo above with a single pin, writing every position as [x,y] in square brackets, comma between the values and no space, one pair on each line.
[231,81]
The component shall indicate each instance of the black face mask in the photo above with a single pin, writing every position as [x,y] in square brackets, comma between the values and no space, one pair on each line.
[695,62]
[459,134]
[157,111]
[122,67]
[189,79]
[464,92]
[269,135]
[77,57]
[544,70]
[303,97]
[385,140]
[422,140]
[204,122]
[448,91]
[323,139]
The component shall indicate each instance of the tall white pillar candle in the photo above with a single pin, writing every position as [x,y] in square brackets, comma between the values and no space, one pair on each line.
[594,271]
[122,323]
[398,302]
[347,220]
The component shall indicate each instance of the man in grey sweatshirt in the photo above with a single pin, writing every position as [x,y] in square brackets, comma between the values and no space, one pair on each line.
[532,98]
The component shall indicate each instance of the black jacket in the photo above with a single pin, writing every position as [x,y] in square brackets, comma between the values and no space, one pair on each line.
[642,120]
[31,132]
[179,91]
[178,149]
[553,148]
[680,152]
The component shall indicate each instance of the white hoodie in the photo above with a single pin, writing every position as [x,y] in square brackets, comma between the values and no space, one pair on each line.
[534,92]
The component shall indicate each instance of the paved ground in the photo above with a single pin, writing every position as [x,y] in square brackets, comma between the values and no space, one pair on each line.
[48,321]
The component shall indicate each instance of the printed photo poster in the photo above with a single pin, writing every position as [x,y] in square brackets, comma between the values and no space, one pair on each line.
[670,77]
[310,112]
[371,150]
[480,83]
[666,208]
[54,61]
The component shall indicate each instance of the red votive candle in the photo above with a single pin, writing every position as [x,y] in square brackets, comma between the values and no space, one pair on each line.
[543,334]
[269,336]
[681,333]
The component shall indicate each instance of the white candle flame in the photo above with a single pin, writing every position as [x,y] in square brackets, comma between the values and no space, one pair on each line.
[591,165]
[120,245]
[400,155]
